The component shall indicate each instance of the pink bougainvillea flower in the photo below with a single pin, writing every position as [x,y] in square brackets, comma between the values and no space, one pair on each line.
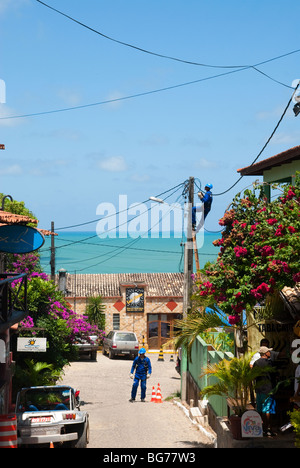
[272,221]
[234,319]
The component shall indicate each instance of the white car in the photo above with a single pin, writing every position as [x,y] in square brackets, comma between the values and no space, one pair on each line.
[122,343]
[50,415]
[88,346]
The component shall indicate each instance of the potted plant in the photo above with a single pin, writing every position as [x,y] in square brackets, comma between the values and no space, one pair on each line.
[233,380]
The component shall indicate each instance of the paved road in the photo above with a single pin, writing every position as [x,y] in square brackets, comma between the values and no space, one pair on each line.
[115,422]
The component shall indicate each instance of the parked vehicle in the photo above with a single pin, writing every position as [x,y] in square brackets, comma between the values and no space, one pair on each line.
[88,346]
[51,414]
[122,343]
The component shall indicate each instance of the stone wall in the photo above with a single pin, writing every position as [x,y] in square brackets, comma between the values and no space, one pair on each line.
[131,321]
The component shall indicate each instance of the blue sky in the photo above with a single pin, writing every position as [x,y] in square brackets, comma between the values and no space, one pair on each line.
[64,164]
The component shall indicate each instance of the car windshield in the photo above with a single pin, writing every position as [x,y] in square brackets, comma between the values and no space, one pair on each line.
[125,337]
[45,399]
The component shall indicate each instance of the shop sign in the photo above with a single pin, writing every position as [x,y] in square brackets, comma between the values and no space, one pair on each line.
[252,424]
[31,345]
[135,300]
[3,352]
[19,239]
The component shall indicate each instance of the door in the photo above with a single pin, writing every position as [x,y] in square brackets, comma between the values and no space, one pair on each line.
[153,332]
[160,329]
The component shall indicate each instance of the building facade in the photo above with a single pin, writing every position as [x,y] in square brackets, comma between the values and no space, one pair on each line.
[146,303]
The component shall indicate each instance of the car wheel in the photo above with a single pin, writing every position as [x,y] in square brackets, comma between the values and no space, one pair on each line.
[83,431]
[111,354]
[94,355]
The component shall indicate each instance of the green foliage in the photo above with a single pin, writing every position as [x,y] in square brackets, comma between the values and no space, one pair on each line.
[194,324]
[34,373]
[233,379]
[259,252]
[96,311]
[220,341]
[295,420]
[16,207]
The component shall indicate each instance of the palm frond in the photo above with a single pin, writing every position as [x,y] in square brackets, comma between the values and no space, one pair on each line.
[190,327]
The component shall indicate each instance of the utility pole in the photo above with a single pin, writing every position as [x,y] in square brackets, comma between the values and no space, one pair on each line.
[187,284]
[52,256]
[188,251]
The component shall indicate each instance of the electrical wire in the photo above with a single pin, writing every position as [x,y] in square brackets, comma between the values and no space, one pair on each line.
[237,68]
[135,47]
[124,98]
[119,212]
[266,144]
[82,241]
[162,55]
[137,95]
[127,246]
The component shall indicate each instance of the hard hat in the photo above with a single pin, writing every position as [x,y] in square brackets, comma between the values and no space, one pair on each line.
[142,351]
[209,186]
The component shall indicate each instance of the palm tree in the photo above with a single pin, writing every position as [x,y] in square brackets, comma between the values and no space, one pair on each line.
[95,310]
[35,374]
[195,323]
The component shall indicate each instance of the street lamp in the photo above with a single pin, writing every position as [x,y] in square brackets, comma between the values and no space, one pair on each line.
[296,109]
[3,201]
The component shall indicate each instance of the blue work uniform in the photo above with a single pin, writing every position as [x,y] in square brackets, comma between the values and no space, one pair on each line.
[142,367]
[207,202]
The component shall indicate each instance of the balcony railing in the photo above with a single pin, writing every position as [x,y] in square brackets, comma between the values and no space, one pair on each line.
[13,298]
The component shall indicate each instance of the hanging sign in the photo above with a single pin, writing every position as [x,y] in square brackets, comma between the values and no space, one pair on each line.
[19,239]
[135,300]
[251,424]
[31,345]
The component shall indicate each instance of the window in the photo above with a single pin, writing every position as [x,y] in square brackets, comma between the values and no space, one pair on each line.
[125,337]
[116,321]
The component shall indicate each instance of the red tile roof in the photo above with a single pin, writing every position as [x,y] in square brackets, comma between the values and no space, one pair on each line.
[11,218]
[285,157]
[109,284]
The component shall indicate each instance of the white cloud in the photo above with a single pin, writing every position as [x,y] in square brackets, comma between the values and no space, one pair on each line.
[286,138]
[11,170]
[113,164]
[204,163]
[69,96]
[155,140]
[5,113]
[6,4]
[115,99]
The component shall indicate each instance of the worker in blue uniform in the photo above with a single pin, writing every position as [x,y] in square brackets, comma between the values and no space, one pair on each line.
[142,367]
[206,199]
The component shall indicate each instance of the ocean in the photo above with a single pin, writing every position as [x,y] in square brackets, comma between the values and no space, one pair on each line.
[85,252]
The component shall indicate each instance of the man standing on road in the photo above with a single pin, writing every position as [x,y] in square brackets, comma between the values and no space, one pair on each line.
[143,370]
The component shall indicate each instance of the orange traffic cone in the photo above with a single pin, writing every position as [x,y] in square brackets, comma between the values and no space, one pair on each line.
[158,395]
[153,397]
[51,445]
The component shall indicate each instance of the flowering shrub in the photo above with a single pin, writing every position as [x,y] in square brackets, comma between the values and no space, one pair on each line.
[259,252]
[46,303]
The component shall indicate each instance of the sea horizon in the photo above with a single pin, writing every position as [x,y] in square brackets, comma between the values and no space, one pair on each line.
[85,252]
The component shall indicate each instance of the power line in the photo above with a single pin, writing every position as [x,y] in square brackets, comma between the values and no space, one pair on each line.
[119,212]
[137,95]
[267,142]
[126,246]
[162,55]
[136,47]
[116,227]
[124,98]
